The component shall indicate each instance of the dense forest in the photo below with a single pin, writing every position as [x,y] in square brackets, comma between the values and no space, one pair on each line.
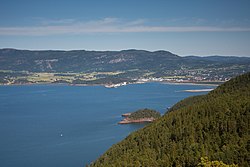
[214,126]
[144,113]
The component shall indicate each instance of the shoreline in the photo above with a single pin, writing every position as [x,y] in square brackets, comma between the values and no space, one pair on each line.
[213,83]
[130,121]
[198,90]
[116,85]
[127,120]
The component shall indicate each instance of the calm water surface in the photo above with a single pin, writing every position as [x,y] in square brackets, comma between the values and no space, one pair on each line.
[59,125]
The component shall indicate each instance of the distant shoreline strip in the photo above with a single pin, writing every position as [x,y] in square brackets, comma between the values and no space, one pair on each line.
[198,90]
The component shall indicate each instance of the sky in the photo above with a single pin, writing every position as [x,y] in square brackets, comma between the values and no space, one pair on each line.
[183,27]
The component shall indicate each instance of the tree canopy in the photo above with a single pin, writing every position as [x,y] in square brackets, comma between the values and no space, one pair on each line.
[215,126]
[144,113]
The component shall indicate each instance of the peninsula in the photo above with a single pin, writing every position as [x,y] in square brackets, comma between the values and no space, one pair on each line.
[140,116]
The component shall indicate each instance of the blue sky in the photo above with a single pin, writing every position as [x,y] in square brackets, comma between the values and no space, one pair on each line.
[184,27]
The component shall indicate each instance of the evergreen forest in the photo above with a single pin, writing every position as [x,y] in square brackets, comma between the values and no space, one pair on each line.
[144,113]
[215,126]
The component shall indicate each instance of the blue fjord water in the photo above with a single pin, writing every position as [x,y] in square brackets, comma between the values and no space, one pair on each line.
[60,125]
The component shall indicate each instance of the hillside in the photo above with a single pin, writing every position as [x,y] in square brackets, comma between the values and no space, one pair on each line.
[215,125]
[86,61]
[113,67]
[144,113]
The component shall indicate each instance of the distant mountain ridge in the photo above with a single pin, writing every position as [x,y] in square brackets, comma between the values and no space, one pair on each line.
[217,58]
[82,60]
[114,67]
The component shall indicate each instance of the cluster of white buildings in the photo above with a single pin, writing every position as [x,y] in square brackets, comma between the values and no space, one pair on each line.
[115,85]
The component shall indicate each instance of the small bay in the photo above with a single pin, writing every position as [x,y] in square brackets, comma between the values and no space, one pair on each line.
[61,125]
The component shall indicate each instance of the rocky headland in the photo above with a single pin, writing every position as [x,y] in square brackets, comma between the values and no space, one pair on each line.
[140,116]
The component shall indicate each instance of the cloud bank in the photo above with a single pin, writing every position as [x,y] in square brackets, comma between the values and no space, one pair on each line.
[107,25]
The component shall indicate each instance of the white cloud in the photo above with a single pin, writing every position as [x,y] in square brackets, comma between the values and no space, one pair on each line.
[106,25]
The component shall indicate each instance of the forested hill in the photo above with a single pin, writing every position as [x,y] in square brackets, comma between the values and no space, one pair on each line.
[114,67]
[85,61]
[215,126]
[89,61]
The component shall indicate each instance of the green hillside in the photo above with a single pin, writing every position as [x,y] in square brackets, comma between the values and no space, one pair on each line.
[215,126]
[113,67]
[144,113]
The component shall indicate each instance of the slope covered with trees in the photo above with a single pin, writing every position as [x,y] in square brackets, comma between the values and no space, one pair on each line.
[112,67]
[144,113]
[215,126]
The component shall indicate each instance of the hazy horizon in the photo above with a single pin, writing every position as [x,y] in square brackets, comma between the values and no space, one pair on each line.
[126,50]
[182,27]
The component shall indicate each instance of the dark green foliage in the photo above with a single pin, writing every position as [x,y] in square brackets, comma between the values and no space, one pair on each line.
[6,76]
[214,126]
[187,102]
[12,74]
[144,113]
